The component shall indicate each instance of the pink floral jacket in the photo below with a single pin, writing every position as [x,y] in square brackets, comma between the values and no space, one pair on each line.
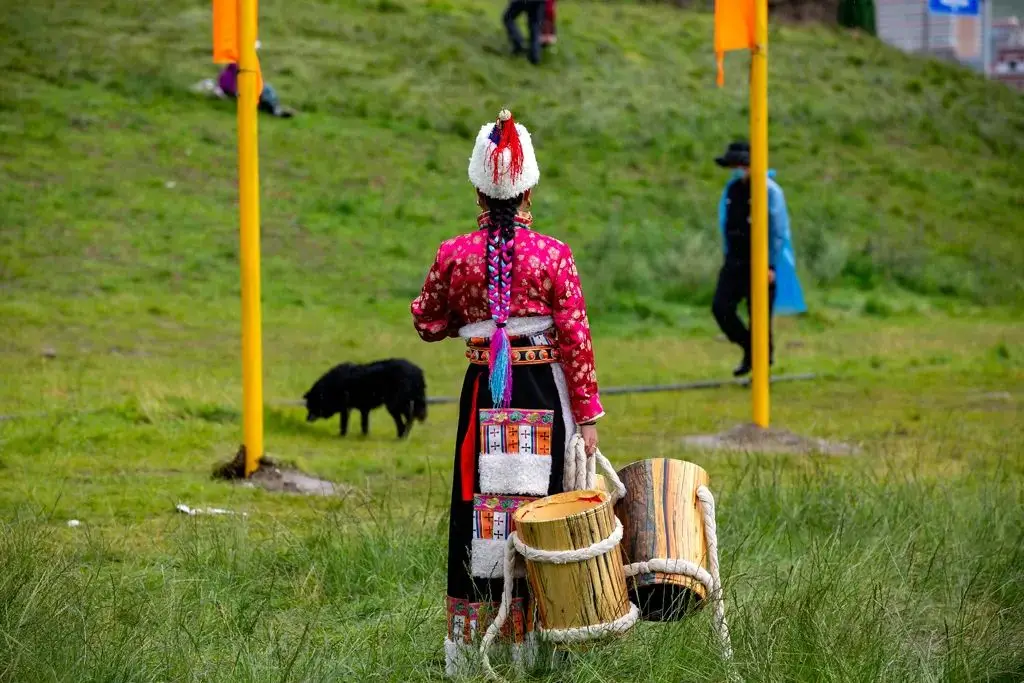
[545,284]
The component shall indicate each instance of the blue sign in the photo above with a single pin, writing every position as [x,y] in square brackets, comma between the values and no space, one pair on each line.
[960,8]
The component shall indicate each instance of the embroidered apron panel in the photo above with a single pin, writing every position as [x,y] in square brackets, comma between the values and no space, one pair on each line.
[516,431]
[492,525]
[492,515]
[516,457]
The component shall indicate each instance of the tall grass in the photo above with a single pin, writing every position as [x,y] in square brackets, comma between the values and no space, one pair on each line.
[828,578]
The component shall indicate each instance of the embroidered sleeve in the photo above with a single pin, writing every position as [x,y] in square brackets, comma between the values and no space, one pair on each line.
[570,315]
[430,313]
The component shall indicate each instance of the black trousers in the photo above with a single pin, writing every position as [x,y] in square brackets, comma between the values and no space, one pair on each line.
[534,10]
[733,288]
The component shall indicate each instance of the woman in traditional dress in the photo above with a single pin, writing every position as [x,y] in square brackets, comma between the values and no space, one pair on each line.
[514,296]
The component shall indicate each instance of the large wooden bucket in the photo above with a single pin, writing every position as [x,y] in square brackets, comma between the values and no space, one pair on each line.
[661,517]
[578,594]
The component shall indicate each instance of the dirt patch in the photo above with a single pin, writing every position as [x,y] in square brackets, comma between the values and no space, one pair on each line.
[293,481]
[274,476]
[749,437]
[993,401]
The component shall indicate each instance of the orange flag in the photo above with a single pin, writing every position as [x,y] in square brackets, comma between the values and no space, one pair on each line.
[225,31]
[225,36]
[734,30]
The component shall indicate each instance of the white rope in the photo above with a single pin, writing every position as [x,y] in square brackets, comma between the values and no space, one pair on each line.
[581,469]
[673,566]
[570,481]
[514,546]
[707,507]
[711,580]
[499,619]
[576,635]
[711,536]
[580,473]
[569,556]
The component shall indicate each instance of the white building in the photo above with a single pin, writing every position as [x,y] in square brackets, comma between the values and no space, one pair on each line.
[908,25]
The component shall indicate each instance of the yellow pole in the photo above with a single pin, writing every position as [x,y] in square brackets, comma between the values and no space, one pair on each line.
[759,213]
[249,211]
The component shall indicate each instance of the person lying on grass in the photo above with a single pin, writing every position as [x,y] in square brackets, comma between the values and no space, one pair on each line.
[269,102]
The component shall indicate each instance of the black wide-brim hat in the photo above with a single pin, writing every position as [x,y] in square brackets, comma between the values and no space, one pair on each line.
[737,154]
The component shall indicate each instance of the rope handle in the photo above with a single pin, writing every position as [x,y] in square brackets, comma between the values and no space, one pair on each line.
[515,548]
[709,577]
[595,549]
[499,619]
[581,469]
[707,508]
[580,472]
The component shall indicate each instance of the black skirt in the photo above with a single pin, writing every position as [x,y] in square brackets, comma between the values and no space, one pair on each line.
[472,597]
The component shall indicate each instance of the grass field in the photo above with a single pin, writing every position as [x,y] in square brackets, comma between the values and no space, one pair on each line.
[902,562]
[119,343]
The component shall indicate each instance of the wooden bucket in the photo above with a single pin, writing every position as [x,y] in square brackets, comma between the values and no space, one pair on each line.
[577,594]
[661,518]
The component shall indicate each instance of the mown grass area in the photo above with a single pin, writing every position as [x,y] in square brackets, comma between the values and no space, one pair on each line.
[164,418]
[119,350]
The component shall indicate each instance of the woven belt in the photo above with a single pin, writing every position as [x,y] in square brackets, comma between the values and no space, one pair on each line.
[521,355]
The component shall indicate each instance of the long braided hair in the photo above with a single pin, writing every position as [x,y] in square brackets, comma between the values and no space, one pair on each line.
[504,162]
[501,243]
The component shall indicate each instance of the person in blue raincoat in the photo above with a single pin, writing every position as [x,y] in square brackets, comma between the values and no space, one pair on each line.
[785,296]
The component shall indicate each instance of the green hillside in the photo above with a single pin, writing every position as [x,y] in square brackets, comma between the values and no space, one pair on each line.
[897,561]
[901,174]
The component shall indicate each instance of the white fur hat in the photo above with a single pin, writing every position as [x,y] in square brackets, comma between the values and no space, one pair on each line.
[507,145]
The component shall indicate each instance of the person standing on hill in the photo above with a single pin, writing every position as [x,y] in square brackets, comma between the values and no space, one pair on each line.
[548,35]
[785,295]
[534,10]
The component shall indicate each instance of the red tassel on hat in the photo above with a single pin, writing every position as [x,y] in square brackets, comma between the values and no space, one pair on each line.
[509,140]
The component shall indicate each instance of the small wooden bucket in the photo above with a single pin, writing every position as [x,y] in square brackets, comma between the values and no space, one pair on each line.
[577,594]
[661,517]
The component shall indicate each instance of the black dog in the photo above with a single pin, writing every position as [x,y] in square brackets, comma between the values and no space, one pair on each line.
[395,383]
